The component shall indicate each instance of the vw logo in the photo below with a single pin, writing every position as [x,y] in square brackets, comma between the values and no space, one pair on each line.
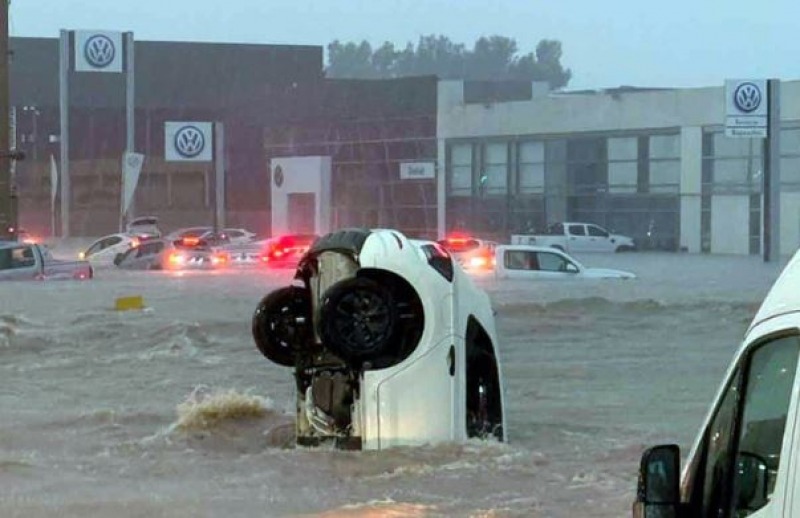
[747,97]
[278,176]
[99,51]
[189,141]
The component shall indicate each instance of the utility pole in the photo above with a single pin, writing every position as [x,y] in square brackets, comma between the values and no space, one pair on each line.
[7,216]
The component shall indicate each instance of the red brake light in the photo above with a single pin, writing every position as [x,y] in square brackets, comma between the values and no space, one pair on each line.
[191,241]
[135,242]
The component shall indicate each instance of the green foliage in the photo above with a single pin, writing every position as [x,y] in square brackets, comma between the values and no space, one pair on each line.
[491,58]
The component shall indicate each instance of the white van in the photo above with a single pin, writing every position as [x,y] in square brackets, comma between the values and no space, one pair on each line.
[746,459]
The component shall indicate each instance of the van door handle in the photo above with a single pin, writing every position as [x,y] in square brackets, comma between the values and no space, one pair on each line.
[451,361]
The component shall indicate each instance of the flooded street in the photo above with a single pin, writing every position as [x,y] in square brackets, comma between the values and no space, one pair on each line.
[102,412]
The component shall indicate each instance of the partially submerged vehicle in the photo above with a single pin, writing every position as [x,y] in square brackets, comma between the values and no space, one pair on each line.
[744,461]
[390,341]
[30,261]
[540,262]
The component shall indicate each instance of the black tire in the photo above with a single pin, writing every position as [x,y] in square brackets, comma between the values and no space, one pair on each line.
[282,324]
[359,321]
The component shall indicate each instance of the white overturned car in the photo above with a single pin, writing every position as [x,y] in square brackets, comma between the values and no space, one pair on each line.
[391,344]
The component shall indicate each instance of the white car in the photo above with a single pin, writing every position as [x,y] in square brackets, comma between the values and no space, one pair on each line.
[103,251]
[540,262]
[144,226]
[391,344]
[239,236]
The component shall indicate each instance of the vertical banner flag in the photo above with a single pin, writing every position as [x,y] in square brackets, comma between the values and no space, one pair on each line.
[98,51]
[131,168]
[53,179]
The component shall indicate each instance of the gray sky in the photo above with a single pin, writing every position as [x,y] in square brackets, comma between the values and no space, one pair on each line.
[611,43]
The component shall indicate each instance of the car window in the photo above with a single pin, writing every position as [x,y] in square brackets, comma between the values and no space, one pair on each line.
[20,257]
[234,233]
[95,247]
[128,254]
[520,260]
[597,231]
[550,262]
[150,249]
[110,241]
[576,230]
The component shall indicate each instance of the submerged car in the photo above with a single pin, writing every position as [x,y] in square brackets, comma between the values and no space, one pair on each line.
[144,226]
[540,262]
[103,251]
[30,261]
[390,341]
[161,254]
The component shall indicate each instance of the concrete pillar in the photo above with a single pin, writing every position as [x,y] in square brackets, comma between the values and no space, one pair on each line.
[691,187]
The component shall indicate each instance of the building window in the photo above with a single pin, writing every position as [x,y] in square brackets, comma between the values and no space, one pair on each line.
[623,154]
[733,164]
[494,179]
[461,170]
[790,159]
[665,165]
[531,167]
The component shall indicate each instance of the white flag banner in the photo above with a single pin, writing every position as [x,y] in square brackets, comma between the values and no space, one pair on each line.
[98,51]
[131,169]
[53,179]
[188,141]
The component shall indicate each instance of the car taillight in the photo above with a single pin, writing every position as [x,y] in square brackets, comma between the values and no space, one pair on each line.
[479,261]
[135,242]
[191,241]
[219,259]
[176,258]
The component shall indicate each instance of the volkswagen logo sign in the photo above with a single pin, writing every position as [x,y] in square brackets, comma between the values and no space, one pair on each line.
[189,141]
[278,176]
[99,51]
[747,97]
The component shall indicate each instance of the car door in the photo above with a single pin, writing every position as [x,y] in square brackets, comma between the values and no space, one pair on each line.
[599,240]
[577,240]
[108,250]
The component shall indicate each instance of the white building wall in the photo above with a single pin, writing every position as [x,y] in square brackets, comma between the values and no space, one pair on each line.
[730,224]
[790,222]
[307,174]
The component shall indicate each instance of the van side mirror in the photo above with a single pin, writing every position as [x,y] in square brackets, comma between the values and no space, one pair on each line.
[751,481]
[657,492]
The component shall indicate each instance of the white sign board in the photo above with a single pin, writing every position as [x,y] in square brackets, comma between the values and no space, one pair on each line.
[417,170]
[188,141]
[746,108]
[98,51]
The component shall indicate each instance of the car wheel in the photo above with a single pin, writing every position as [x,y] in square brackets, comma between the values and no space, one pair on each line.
[282,324]
[358,321]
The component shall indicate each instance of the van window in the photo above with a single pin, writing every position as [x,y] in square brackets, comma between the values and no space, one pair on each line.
[741,448]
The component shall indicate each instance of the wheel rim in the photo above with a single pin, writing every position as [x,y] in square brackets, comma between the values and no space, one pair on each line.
[285,324]
[362,319]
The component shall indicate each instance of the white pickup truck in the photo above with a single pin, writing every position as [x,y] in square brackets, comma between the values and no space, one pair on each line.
[28,261]
[577,237]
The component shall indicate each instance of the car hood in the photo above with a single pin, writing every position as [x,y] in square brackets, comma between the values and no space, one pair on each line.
[605,273]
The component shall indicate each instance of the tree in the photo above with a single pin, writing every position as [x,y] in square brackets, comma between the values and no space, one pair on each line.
[491,58]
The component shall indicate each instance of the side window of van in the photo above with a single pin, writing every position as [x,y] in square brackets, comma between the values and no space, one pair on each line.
[741,450]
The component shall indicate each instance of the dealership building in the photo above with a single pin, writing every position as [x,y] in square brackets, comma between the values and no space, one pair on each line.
[418,154]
